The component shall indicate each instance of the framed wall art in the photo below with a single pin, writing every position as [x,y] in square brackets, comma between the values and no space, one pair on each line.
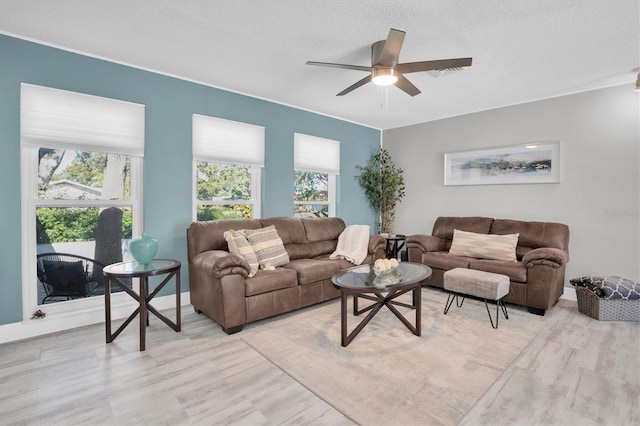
[537,162]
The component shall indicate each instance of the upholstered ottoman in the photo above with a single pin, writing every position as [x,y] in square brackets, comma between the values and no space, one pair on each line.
[485,285]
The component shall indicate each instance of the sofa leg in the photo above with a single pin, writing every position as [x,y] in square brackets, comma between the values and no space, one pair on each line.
[537,311]
[232,330]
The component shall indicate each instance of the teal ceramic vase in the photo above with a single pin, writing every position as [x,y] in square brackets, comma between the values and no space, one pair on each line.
[143,249]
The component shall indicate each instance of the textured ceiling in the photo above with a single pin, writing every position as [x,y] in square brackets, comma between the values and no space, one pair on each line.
[522,50]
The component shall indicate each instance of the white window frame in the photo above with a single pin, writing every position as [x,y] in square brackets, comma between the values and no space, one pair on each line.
[91,307]
[226,142]
[30,203]
[314,163]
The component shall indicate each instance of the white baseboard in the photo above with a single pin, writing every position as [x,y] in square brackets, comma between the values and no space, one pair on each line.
[569,294]
[38,327]
[52,324]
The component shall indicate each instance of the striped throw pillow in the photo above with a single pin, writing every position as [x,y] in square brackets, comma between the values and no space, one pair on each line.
[239,246]
[268,247]
[484,246]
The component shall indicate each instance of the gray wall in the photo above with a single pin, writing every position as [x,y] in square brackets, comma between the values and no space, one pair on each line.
[598,196]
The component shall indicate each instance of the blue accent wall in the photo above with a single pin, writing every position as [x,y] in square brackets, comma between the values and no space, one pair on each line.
[170,103]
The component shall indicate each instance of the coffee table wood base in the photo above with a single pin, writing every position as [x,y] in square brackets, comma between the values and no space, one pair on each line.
[380,300]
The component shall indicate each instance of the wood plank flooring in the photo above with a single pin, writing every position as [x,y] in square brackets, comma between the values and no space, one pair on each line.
[575,371]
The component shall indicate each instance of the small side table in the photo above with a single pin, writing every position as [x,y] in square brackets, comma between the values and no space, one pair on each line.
[113,273]
[394,245]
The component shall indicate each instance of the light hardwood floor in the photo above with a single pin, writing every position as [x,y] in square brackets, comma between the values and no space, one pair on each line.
[576,371]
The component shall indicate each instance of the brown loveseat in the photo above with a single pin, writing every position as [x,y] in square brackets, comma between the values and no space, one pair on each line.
[219,282]
[536,278]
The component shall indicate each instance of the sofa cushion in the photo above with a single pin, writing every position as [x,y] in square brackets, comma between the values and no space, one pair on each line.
[443,260]
[444,226]
[311,249]
[268,246]
[204,236]
[289,229]
[323,229]
[483,246]
[312,270]
[516,271]
[266,281]
[534,234]
[239,246]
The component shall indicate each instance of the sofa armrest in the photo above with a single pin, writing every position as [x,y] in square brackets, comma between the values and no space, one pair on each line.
[548,256]
[425,243]
[376,244]
[219,263]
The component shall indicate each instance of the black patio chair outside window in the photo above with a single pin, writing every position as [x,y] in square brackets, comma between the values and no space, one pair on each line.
[69,275]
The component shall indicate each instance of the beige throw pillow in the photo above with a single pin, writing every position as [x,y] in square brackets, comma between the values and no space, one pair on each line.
[268,247]
[239,246]
[484,246]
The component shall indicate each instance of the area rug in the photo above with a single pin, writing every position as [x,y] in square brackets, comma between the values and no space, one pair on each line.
[387,375]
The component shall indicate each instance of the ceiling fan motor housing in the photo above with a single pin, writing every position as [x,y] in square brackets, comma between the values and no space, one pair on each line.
[376,55]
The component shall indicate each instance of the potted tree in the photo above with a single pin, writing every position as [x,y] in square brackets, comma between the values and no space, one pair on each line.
[383,185]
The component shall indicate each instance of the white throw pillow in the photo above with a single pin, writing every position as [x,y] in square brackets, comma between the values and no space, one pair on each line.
[268,246]
[239,246]
[484,246]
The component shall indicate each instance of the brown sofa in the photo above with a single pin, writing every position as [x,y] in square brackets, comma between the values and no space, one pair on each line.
[219,283]
[536,279]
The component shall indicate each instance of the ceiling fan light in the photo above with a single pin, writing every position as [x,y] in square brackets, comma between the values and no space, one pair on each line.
[384,76]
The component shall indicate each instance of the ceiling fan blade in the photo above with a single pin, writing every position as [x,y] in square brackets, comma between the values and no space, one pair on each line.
[390,52]
[355,85]
[442,64]
[407,86]
[343,66]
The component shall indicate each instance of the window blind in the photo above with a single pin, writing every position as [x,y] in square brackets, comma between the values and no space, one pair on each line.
[55,118]
[314,154]
[226,141]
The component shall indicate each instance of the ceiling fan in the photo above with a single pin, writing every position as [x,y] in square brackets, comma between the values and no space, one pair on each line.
[385,69]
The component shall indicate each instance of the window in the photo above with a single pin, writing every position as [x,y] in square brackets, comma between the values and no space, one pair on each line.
[81,159]
[316,166]
[228,157]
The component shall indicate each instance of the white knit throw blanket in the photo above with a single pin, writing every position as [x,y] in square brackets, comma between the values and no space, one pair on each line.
[353,244]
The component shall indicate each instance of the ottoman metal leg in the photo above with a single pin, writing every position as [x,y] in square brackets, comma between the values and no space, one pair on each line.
[499,303]
[453,295]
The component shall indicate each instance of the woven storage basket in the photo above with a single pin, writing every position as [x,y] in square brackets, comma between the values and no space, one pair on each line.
[607,309]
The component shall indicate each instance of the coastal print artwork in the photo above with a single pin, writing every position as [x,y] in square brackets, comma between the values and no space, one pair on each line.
[531,163]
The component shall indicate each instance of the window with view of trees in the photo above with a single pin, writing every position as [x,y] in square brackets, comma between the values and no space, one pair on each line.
[228,159]
[316,166]
[69,185]
[223,191]
[83,208]
[311,194]
[81,161]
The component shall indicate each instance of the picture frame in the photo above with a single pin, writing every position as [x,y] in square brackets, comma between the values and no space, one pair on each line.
[536,162]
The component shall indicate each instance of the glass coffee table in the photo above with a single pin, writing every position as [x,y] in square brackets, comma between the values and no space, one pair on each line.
[361,282]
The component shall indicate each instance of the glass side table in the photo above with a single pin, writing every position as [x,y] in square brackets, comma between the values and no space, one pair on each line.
[127,270]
